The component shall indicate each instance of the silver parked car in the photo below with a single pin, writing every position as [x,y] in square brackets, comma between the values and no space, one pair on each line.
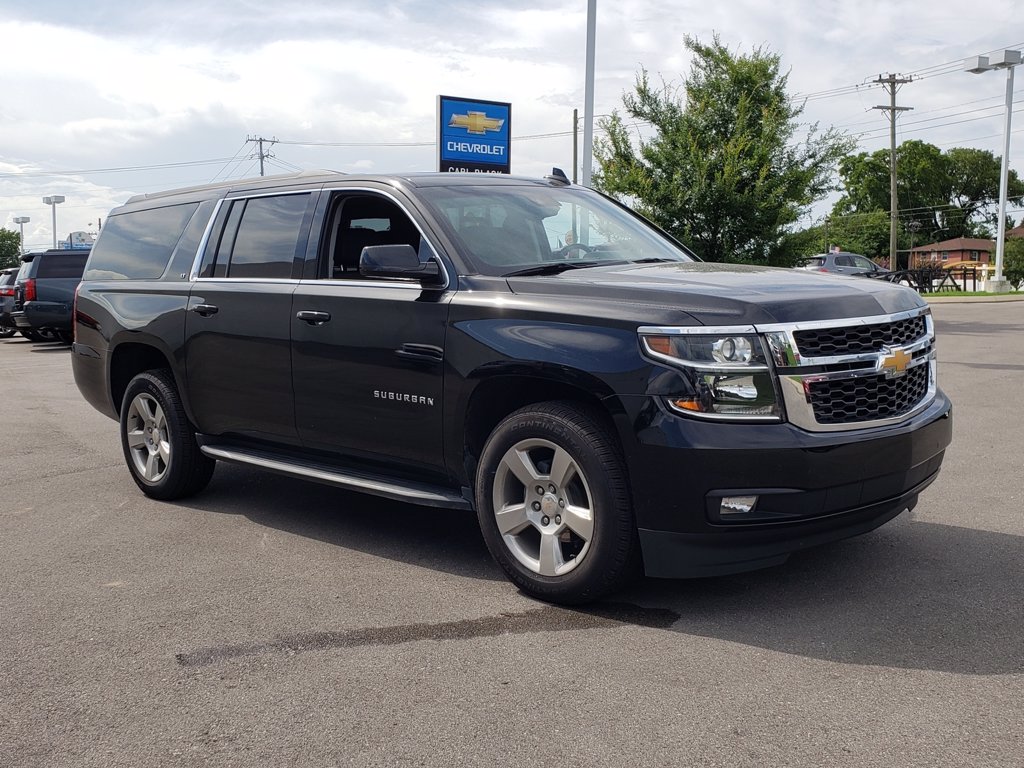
[843,263]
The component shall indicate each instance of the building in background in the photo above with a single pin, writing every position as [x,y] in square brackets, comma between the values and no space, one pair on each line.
[959,249]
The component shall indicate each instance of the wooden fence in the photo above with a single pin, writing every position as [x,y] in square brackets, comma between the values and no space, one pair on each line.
[934,279]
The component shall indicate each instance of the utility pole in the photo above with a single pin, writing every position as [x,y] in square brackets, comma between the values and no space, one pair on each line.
[262,154]
[892,83]
[575,142]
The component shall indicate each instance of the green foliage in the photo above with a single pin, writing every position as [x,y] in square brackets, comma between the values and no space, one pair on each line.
[866,233]
[975,175]
[1013,260]
[722,172]
[10,248]
[946,195]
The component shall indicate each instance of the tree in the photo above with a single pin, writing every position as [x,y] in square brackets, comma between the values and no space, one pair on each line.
[948,195]
[723,172]
[975,176]
[10,248]
[1013,261]
[866,233]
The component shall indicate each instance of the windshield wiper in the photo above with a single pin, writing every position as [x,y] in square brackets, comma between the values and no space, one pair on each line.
[557,267]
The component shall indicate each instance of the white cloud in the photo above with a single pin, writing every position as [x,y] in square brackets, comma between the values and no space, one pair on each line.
[152,84]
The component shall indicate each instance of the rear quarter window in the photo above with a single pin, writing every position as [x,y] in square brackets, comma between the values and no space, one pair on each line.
[137,245]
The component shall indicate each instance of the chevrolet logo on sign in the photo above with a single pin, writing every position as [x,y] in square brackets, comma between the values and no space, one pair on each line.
[476,122]
[473,135]
[894,361]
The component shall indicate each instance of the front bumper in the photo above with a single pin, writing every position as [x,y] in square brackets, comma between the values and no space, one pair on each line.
[812,488]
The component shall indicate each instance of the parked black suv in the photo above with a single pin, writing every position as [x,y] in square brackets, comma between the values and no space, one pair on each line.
[7,277]
[44,292]
[526,348]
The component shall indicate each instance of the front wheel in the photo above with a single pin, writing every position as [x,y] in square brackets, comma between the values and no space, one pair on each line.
[553,503]
[158,440]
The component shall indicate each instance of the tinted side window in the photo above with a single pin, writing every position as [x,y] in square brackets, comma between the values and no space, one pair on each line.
[55,265]
[365,220]
[137,246]
[267,237]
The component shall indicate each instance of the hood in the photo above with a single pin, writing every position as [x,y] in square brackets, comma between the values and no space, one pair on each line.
[728,293]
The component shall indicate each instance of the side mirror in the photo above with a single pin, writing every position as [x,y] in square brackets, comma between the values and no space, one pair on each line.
[398,261]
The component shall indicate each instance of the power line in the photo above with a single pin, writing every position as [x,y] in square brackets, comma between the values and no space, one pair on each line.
[874,134]
[90,171]
[228,163]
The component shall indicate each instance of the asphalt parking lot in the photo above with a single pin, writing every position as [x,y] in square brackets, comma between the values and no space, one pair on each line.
[269,622]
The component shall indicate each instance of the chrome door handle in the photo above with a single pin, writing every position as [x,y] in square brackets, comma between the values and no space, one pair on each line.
[313,317]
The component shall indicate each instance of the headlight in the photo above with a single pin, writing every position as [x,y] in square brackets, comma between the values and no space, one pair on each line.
[726,374]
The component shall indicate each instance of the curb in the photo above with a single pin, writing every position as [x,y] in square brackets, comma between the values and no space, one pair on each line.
[994,298]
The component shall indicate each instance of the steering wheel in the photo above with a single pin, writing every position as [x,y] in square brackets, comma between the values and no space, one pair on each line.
[565,250]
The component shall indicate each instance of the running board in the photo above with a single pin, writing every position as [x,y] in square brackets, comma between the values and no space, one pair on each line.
[378,485]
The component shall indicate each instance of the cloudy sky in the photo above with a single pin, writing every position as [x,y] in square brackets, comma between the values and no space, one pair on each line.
[102,100]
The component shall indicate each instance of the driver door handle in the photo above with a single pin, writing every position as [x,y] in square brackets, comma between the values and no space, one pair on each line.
[313,317]
[205,309]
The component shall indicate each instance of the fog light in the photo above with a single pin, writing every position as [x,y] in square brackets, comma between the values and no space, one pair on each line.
[737,505]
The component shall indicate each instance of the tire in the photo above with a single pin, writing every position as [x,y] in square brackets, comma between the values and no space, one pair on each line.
[6,332]
[158,440]
[32,335]
[570,545]
[66,337]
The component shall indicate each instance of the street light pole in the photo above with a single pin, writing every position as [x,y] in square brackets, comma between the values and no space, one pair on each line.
[22,221]
[588,94]
[53,201]
[1007,59]
[1004,173]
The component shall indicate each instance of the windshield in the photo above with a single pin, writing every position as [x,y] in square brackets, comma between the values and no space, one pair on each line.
[504,230]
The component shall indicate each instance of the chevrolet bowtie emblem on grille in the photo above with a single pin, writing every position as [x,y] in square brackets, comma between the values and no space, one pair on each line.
[476,122]
[894,361]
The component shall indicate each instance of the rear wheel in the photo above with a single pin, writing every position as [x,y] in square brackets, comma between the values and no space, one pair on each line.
[158,440]
[6,332]
[553,503]
[32,335]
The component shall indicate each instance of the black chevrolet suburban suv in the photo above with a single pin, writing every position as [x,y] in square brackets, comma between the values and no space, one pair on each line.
[44,292]
[524,348]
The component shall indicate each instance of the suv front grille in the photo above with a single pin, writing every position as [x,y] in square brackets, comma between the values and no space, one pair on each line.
[858,373]
[856,340]
[855,401]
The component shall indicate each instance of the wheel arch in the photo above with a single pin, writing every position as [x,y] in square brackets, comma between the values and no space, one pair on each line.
[498,395]
[129,359]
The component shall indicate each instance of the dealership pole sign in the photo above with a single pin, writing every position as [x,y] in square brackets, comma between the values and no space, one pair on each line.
[473,135]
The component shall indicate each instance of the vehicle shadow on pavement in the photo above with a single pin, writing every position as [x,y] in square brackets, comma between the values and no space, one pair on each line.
[440,539]
[910,595]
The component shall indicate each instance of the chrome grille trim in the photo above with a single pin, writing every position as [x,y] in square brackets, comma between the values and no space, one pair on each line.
[797,384]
